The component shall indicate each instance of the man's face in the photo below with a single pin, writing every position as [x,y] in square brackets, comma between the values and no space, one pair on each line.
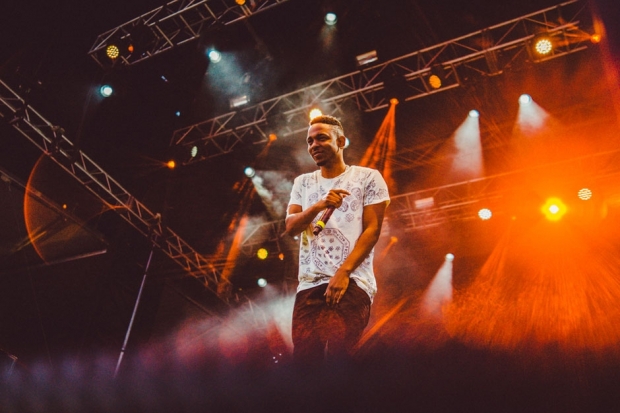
[323,143]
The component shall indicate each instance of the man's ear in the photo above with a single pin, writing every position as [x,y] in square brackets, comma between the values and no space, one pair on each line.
[341,141]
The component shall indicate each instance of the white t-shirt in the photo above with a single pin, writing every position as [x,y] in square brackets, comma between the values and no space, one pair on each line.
[320,256]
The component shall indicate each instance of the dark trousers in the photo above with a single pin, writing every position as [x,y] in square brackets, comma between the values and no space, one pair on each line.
[319,329]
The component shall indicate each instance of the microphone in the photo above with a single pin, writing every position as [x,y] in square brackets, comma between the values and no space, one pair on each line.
[320,224]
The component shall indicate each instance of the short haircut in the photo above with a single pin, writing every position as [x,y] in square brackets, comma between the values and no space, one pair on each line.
[328,120]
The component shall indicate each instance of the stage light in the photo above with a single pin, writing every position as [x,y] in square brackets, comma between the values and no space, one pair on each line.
[424,203]
[262,282]
[554,209]
[474,113]
[194,151]
[595,38]
[240,2]
[524,99]
[584,194]
[112,51]
[485,214]
[394,101]
[543,45]
[449,257]
[281,256]
[273,137]
[249,172]
[106,91]
[262,253]
[331,18]
[177,113]
[171,164]
[315,113]
[434,81]
[238,101]
[214,56]
[367,58]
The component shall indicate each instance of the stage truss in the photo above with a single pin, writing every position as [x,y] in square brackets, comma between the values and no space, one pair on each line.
[486,52]
[173,24]
[51,140]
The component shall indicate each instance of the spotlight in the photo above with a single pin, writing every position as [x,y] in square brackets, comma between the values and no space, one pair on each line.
[436,77]
[262,282]
[249,172]
[194,151]
[273,137]
[584,194]
[485,214]
[262,253]
[424,203]
[106,91]
[474,113]
[524,99]
[394,101]
[315,113]
[543,45]
[238,101]
[240,2]
[449,257]
[171,164]
[554,209]
[331,18]
[595,38]
[367,58]
[214,56]
[281,256]
[112,51]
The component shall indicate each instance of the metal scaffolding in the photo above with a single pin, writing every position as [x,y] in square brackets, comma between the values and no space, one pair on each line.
[461,201]
[171,25]
[487,52]
[51,139]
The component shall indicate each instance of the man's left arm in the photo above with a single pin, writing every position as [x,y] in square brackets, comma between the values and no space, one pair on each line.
[371,230]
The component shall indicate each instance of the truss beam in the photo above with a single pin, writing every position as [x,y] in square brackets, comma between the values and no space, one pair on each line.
[51,140]
[173,24]
[488,52]
[461,201]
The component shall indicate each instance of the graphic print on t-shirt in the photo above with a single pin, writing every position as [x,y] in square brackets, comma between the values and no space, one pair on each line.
[332,248]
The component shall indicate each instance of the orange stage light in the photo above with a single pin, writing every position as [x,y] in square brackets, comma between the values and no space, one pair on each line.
[554,209]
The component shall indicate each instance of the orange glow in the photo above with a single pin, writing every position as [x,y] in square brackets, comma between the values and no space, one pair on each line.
[262,253]
[171,164]
[434,81]
[381,151]
[584,194]
[595,38]
[394,101]
[544,286]
[272,137]
[315,113]
[554,209]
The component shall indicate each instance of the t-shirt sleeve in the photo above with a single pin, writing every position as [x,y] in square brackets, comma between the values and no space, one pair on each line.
[295,193]
[376,190]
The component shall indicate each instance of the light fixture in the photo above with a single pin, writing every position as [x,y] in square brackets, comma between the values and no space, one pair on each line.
[249,172]
[106,91]
[112,51]
[367,58]
[474,113]
[485,214]
[262,282]
[554,209]
[238,101]
[214,56]
[542,45]
[315,113]
[449,257]
[262,253]
[524,99]
[424,203]
[436,77]
[584,194]
[331,18]
[194,151]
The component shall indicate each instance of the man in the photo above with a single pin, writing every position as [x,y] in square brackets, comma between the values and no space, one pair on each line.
[336,278]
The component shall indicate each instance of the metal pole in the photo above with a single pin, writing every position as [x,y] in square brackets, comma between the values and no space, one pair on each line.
[135,310]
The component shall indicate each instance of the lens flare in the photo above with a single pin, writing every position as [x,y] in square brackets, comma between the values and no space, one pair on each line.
[584,194]
[554,209]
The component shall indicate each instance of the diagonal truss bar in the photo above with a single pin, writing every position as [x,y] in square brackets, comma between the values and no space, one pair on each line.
[489,51]
[173,24]
[50,139]
[460,201]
